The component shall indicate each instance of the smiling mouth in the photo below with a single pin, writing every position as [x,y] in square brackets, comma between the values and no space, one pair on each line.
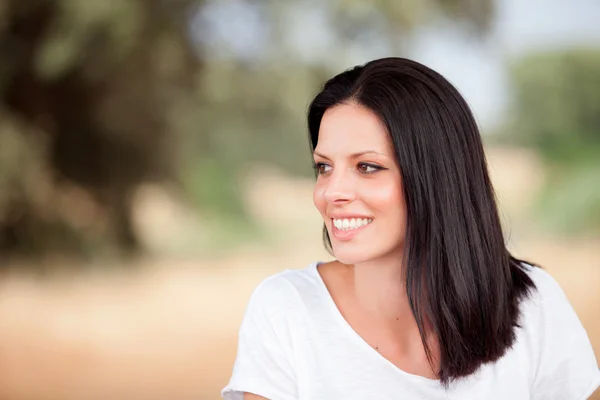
[349,224]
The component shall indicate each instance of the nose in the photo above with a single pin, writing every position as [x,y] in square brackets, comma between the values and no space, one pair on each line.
[340,188]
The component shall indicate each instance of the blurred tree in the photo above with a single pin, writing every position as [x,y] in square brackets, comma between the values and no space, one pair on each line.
[97,97]
[556,111]
[94,81]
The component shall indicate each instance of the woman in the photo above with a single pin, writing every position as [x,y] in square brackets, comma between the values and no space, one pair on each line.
[423,301]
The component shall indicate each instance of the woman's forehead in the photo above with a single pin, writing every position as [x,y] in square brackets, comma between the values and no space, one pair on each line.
[352,128]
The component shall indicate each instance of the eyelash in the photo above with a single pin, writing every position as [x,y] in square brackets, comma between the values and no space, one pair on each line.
[377,168]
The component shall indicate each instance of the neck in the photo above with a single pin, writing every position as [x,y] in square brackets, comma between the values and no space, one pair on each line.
[380,288]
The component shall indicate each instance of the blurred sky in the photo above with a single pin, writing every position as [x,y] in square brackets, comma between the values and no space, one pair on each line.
[479,70]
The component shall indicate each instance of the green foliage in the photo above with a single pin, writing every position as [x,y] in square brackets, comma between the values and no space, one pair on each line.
[213,185]
[556,111]
[83,79]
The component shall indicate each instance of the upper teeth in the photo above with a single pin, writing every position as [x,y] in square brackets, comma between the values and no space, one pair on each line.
[345,224]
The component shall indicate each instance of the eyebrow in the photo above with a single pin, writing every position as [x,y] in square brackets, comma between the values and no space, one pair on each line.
[355,155]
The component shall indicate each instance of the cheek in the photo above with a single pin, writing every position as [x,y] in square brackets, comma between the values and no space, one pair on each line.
[319,198]
[387,199]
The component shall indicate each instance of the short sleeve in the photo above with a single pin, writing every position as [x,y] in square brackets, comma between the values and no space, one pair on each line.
[265,364]
[564,367]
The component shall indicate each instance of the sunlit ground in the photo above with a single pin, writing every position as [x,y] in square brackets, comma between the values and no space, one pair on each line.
[165,327]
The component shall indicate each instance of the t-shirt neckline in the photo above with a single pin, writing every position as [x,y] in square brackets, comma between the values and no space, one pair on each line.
[356,337]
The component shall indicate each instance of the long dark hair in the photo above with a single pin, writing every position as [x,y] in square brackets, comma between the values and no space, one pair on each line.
[462,282]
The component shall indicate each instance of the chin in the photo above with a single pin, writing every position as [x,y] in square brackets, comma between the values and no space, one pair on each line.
[351,256]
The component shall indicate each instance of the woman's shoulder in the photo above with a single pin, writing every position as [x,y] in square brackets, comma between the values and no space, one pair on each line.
[285,290]
[546,304]
[547,291]
[549,321]
[268,334]
[563,364]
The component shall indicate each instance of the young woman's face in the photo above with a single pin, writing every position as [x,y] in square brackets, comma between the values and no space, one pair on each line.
[359,187]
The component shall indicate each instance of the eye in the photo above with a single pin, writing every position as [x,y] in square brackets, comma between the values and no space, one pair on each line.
[366,168]
[321,168]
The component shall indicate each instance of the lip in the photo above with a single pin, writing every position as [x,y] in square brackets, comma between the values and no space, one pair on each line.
[347,216]
[349,234]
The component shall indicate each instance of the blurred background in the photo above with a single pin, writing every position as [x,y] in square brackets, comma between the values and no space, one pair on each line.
[155,166]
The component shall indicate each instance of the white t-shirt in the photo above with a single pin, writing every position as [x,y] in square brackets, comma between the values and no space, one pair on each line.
[295,344]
